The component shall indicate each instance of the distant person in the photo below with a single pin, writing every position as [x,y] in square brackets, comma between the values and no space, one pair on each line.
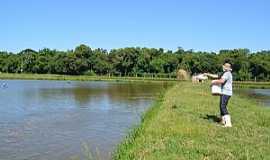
[225,80]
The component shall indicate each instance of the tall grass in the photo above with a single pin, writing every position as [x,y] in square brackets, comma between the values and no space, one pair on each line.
[87,153]
[182,125]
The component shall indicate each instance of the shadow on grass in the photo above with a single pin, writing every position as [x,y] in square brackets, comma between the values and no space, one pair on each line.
[212,118]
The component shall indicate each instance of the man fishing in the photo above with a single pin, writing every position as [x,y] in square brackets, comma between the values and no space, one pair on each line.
[225,80]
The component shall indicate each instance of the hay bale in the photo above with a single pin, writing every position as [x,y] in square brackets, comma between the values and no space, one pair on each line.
[182,75]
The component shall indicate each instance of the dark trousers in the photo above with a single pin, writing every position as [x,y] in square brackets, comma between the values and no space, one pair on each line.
[224,99]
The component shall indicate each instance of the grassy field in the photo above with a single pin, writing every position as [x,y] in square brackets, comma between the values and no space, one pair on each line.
[182,125]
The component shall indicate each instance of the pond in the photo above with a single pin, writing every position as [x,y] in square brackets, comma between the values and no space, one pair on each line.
[262,96]
[60,119]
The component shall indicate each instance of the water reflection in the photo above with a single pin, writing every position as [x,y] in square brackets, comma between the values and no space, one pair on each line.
[262,96]
[83,94]
[50,119]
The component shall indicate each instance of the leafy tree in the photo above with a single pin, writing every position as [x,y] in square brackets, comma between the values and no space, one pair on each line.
[101,64]
[136,61]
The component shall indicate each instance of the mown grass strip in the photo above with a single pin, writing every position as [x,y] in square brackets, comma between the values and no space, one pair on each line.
[23,76]
[78,77]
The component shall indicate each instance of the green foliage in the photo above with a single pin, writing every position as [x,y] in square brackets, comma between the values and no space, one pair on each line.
[136,61]
[89,73]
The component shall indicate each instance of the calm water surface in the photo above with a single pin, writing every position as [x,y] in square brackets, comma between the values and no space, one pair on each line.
[262,96]
[48,120]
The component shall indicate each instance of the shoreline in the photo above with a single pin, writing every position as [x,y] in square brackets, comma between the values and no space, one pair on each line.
[14,76]
[182,125]
[17,76]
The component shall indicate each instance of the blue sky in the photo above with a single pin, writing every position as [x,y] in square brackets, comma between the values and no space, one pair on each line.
[206,25]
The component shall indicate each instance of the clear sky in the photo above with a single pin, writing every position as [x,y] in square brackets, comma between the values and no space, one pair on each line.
[206,25]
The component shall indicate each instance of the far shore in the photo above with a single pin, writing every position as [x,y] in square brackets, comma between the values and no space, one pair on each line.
[30,76]
[80,77]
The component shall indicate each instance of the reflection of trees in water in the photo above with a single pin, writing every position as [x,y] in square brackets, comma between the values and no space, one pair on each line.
[46,120]
[260,95]
[84,94]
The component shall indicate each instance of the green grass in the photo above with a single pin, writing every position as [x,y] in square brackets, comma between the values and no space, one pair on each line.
[238,84]
[77,77]
[249,84]
[181,125]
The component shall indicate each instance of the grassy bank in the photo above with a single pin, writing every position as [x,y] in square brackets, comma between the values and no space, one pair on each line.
[77,78]
[182,125]
[249,84]
[237,84]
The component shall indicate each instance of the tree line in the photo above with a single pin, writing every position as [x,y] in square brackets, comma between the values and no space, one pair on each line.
[136,61]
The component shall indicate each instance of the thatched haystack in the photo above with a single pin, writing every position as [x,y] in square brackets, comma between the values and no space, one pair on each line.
[182,75]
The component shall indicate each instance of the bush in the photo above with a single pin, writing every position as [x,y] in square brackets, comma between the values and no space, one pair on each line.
[90,73]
